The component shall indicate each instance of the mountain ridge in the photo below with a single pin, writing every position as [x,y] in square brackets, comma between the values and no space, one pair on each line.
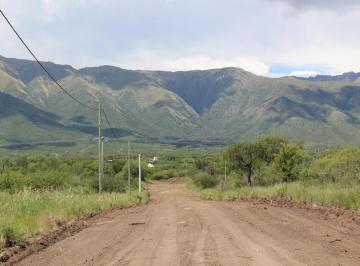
[226,104]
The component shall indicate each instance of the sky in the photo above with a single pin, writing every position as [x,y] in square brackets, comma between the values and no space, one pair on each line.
[266,37]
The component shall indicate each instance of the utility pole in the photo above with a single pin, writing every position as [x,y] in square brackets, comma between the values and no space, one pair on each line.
[100,147]
[225,174]
[139,173]
[129,170]
[102,157]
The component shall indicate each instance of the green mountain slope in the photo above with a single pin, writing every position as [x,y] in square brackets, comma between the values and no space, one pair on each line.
[21,122]
[223,105]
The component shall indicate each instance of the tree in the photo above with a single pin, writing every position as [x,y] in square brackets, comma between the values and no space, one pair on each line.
[288,161]
[269,147]
[243,156]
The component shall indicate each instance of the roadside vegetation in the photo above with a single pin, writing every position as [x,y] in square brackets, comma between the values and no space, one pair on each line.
[274,167]
[38,193]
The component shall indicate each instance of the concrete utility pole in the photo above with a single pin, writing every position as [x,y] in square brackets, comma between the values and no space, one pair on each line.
[102,157]
[129,170]
[100,147]
[139,173]
[225,174]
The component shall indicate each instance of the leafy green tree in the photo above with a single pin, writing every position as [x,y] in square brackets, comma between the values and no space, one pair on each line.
[269,147]
[289,161]
[243,156]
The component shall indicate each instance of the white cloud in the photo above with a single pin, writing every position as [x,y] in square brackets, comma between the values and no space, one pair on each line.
[150,60]
[337,58]
[335,5]
[304,73]
[188,34]
[204,62]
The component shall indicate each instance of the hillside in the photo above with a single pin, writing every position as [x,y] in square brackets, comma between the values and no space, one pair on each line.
[218,105]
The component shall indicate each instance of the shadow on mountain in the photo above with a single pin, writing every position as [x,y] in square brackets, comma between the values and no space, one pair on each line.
[200,89]
[346,98]
[286,108]
[11,106]
[30,146]
[81,120]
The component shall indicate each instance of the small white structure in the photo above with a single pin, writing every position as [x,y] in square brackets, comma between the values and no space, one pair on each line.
[153,160]
[150,165]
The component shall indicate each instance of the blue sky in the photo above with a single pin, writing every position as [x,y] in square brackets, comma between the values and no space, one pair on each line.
[266,37]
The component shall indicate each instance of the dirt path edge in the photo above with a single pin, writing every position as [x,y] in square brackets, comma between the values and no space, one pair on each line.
[341,215]
[38,242]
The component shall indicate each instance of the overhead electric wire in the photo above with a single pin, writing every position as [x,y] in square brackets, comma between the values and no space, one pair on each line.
[109,124]
[43,67]
[56,82]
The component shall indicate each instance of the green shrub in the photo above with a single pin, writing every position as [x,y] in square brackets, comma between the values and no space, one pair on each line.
[268,174]
[118,165]
[200,163]
[113,184]
[163,174]
[134,170]
[47,180]
[233,180]
[204,180]
[341,165]
[289,161]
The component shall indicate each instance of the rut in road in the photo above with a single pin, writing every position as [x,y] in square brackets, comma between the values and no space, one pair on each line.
[178,228]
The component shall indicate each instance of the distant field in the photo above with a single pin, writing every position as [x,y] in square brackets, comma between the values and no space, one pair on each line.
[112,148]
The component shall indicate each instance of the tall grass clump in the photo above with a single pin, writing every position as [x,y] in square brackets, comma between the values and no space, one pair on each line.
[30,211]
[324,194]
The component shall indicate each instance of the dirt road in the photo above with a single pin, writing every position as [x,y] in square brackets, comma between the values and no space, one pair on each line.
[178,228]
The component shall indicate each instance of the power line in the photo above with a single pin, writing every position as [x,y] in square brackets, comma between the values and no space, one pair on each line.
[42,66]
[108,122]
[54,79]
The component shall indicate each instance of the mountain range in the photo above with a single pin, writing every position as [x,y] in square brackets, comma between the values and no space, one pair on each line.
[209,106]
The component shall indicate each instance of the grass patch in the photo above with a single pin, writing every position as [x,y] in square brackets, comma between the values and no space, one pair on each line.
[28,211]
[347,197]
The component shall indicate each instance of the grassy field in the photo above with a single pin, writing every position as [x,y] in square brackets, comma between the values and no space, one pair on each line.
[27,212]
[325,194]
